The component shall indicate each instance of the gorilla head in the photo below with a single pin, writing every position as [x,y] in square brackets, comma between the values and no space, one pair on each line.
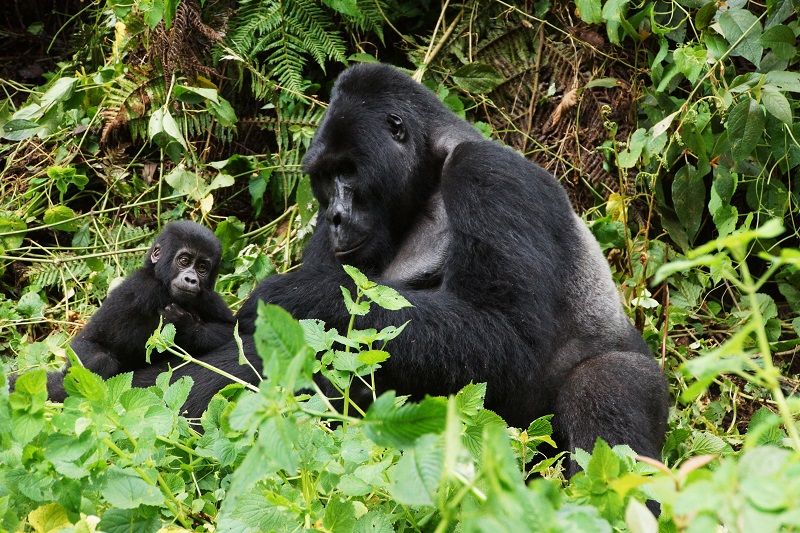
[371,164]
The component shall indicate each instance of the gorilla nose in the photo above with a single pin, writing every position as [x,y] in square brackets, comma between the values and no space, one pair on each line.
[191,280]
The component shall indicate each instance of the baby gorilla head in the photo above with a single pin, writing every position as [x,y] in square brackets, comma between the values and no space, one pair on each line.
[185,258]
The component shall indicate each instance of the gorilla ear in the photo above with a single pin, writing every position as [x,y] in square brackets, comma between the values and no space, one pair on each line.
[396,126]
[155,255]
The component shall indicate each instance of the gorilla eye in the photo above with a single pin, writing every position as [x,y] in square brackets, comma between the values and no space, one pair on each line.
[202,268]
[183,260]
[396,127]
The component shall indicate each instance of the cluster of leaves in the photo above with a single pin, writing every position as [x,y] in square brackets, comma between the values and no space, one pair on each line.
[278,458]
[714,157]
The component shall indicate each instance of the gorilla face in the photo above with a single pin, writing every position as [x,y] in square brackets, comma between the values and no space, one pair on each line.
[366,165]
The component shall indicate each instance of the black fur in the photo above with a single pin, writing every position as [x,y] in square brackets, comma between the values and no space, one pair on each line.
[523,298]
[113,341]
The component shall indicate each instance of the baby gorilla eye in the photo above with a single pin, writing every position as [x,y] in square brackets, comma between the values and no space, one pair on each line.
[183,260]
[202,268]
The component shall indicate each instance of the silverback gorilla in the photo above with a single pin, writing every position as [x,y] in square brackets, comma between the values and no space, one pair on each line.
[508,285]
[176,283]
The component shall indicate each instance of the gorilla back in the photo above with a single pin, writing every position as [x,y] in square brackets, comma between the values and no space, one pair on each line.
[521,296]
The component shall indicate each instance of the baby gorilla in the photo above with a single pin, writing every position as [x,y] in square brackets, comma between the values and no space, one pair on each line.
[176,283]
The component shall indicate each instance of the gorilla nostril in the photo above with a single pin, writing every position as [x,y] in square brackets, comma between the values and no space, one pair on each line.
[337,219]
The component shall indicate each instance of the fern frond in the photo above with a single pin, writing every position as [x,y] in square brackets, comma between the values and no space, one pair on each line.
[285,34]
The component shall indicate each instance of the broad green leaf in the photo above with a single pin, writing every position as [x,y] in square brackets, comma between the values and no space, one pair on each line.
[477,78]
[373,357]
[340,516]
[195,95]
[604,464]
[745,127]
[345,7]
[20,129]
[613,12]
[777,105]
[316,336]
[10,222]
[469,400]
[590,11]
[141,520]
[740,23]
[628,157]
[387,298]
[690,60]
[31,305]
[781,40]
[387,424]
[608,83]
[415,480]
[689,199]
[277,436]
[161,121]
[360,279]
[375,521]
[60,91]
[82,382]
[224,112]
[705,15]
[186,182]
[125,489]
[279,339]
[353,308]
[61,213]
[638,517]
[49,518]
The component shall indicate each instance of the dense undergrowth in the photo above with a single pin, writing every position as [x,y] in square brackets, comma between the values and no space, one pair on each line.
[673,125]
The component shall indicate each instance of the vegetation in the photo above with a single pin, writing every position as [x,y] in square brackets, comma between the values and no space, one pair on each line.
[673,125]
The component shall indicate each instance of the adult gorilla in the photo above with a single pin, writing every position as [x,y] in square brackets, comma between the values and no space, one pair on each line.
[521,296]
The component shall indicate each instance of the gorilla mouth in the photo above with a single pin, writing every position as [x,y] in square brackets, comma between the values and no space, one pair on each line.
[352,249]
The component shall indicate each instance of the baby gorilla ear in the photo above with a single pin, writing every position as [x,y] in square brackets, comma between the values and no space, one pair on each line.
[155,255]
[396,126]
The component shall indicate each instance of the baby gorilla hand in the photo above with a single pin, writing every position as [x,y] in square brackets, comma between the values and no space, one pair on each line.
[177,315]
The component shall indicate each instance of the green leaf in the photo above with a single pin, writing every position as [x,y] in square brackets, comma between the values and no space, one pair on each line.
[185,182]
[359,309]
[31,305]
[604,464]
[345,7]
[469,400]
[10,222]
[161,121]
[613,12]
[741,23]
[81,382]
[690,60]
[224,112]
[689,199]
[123,488]
[781,40]
[628,157]
[279,338]
[49,518]
[20,129]
[60,91]
[387,424]
[745,127]
[777,105]
[195,95]
[477,78]
[59,213]
[415,480]
[373,357]
[590,11]
[387,298]
[340,515]
[705,15]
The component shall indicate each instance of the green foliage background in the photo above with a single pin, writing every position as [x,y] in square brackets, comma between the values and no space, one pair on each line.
[673,126]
